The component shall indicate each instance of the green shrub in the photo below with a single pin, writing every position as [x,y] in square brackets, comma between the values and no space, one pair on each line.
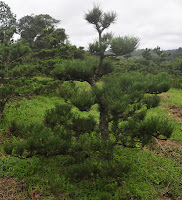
[61,114]
[151,101]
[82,124]
[83,99]
[15,129]
[177,82]
[75,70]
[64,116]
[80,94]
[25,70]
[156,126]
[132,132]
[67,89]
[158,83]
[107,66]
[8,147]
[40,140]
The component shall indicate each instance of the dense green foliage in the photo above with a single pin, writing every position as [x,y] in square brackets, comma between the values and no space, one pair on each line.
[81,126]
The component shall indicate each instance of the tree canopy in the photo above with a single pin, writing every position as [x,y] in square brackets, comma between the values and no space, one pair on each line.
[31,26]
[7,22]
[119,45]
[7,18]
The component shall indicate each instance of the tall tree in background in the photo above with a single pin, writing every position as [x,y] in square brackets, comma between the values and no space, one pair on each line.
[31,26]
[50,38]
[7,22]
[9,50]
[119,45]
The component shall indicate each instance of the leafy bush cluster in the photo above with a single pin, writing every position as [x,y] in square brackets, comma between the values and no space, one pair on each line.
[145,66]
[37,85]
[55,136]
[80,70]
[63,52]
[159,83]
[79,94]
[75,70]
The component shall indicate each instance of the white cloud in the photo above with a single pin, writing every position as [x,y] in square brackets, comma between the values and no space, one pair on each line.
[156,22]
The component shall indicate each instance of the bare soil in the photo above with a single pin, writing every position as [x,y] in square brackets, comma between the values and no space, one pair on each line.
[165,96]
[167,148]
[12,190]
[5,134]
[174,111]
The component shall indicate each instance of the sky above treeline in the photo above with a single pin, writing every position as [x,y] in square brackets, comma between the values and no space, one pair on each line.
[155,22]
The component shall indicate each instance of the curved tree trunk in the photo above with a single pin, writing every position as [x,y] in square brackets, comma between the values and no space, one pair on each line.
[98,71]
[103,125]
[2,106]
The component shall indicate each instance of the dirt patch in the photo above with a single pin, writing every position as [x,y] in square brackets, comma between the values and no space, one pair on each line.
[5,134]
[165,96]
[12,190]
[168,149]
[174,111]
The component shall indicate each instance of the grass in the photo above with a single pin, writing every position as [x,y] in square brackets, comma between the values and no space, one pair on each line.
[33,110]
[149,177]
[173,96]
[141,174]
[171,107]
[40,78]
[29,111]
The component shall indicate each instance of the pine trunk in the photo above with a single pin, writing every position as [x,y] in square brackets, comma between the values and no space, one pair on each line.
[2,106]
[98,71]
[103,126]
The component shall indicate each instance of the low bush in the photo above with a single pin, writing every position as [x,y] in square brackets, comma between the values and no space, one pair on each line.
[151,101]
[81,70]
[80,94]
[158,83]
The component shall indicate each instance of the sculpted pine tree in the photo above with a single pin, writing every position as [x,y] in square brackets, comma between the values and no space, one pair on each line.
[119,46]
[101,21]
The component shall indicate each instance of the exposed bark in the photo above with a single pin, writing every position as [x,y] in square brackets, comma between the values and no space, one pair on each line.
[103,125]
[2,106]
[7,63]
[98,71]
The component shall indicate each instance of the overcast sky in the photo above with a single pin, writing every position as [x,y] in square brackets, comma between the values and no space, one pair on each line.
[155,22]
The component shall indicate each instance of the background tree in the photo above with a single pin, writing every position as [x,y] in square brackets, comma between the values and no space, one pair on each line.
[11,52]
[7,30]
[146,54]
[7,23]
[50,38]
[7,18]
[161,56]
[31,26]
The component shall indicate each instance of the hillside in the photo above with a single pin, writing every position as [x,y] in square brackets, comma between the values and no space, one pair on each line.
[172,54]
